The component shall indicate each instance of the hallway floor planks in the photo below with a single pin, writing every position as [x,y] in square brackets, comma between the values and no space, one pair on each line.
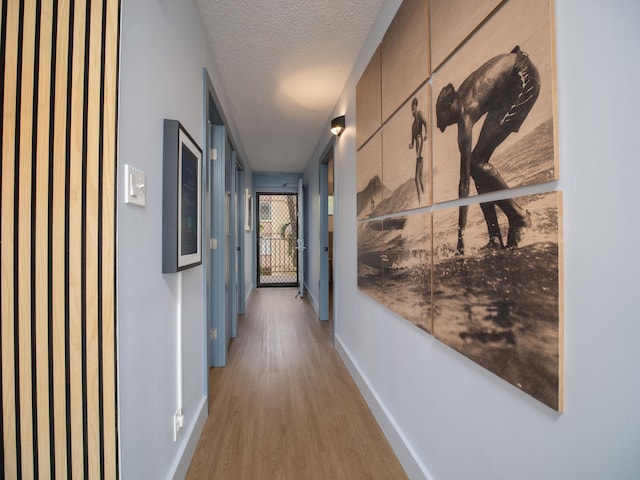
[285,406]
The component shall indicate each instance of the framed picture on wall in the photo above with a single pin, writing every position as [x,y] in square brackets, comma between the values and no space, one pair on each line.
[181,207]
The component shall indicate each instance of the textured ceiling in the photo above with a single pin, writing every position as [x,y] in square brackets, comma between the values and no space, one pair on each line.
[283,64]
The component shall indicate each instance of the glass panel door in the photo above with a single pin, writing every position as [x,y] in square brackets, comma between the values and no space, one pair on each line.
[277,238]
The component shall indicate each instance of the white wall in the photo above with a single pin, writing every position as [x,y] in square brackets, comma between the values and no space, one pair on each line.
[449,418]
[163,51]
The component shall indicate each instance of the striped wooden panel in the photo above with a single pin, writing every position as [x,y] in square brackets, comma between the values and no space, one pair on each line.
[57,296]
[11,443]
[41,218]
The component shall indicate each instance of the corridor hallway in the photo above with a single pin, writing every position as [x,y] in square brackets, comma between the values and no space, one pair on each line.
[285,406]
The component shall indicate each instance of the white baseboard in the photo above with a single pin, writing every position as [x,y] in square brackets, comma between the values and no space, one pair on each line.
[189,447]
[248,295]
[412,465]
[312,300]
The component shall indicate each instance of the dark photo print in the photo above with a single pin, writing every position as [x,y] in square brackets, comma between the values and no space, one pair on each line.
[502,307]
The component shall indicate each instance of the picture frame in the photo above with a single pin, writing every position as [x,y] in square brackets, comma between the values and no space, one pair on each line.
[182,199]
[248,210]
[484,278]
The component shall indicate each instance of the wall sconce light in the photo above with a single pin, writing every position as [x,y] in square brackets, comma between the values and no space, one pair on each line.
[337,126]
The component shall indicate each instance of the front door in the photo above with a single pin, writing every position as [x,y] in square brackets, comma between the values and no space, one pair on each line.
[277,239]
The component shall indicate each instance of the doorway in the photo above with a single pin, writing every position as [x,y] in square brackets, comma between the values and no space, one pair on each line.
[276,240]
[223,240]
[326,235]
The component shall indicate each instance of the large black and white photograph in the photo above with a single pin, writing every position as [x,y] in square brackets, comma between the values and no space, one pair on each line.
[406,156]
[494,106]
[369,177]
[394,265]
[502,307]
[405,55]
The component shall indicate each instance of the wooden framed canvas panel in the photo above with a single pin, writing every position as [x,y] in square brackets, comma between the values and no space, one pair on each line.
[369,256]
[528,154]
[452,21]
[406,163]
[394,265]
[405,55]
[406,282]
[368,101]
[369,177]
[502,308]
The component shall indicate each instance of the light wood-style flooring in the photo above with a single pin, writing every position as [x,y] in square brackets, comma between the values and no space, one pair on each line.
[285,406]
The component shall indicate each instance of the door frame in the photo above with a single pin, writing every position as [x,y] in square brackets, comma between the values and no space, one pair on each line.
[326,157]
[240,199]
[300,245]
[217,321]
[217,140]
[256,239]
[235,212]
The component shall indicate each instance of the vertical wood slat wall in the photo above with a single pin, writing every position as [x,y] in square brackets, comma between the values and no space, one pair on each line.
[58,90]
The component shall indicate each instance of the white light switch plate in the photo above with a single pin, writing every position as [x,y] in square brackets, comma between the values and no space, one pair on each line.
[134,186]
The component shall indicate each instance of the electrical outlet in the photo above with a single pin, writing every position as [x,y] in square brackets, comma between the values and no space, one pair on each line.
[178,423]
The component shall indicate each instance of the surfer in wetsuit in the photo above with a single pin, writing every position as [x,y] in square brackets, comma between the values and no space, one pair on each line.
[505,88]
[419,124]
